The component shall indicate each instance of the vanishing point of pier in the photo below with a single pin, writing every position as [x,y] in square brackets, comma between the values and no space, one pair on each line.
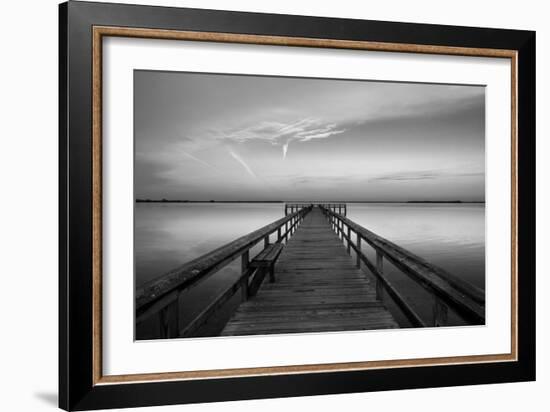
[313,274]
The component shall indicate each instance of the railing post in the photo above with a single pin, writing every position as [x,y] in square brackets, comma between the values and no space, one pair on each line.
[358,243]
[169,319]
[286,231]
[440,312]
[380,269]
[266,241]
[245,260]
[279,234]
[379,261]
[349,240]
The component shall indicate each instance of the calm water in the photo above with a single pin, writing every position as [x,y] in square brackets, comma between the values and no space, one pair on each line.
[167,235]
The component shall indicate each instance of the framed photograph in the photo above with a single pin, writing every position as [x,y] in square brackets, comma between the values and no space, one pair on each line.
[256,205]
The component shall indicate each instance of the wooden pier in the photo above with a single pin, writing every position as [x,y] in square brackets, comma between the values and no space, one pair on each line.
[312,275]
[317,287]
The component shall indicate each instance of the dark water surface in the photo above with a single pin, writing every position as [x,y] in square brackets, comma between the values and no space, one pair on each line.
[451,236]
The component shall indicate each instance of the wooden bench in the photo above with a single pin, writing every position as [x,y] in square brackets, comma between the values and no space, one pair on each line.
[267,258]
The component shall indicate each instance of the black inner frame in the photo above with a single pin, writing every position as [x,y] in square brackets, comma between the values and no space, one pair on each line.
[76,389]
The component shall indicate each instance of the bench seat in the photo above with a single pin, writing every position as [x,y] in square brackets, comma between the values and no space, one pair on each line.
[267,258]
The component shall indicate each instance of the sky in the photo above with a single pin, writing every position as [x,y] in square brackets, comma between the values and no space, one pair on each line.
[233,137]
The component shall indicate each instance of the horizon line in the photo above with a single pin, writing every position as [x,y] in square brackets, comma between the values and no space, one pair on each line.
[166,200]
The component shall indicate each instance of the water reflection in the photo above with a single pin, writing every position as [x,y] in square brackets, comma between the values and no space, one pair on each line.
[168,235]
[448,235]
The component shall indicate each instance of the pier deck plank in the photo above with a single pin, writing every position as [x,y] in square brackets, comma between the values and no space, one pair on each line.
[317,288]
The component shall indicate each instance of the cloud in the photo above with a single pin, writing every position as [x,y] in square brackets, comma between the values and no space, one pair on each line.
[408,176]
[196,159]
[319,133]
[281,133]
[325,180]
[423,175]
[285,149]
[242,162]
[323,135]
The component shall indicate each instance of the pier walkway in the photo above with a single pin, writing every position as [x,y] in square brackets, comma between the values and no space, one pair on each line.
[317,287]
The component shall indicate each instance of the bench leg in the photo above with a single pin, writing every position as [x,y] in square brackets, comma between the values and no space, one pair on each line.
[244,290]
[272,273]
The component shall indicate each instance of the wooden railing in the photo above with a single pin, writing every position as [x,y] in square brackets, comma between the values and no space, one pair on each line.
[294,207]
[339,208]
[448,291]
[160,297]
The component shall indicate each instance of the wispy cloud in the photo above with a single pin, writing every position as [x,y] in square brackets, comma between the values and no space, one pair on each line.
[408,176]
[423,175]
[326,180]
[281,133]
[242,162]
[196,159]
[285,149]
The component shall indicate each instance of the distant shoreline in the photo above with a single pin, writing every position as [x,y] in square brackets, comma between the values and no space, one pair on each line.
[302,201]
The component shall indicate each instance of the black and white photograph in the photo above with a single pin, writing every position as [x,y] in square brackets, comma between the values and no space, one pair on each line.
[275,206]
[284,205]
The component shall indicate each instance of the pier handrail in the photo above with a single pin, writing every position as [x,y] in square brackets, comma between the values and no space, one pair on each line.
[339,207]
[161,295]
[294,206]
[466,299]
